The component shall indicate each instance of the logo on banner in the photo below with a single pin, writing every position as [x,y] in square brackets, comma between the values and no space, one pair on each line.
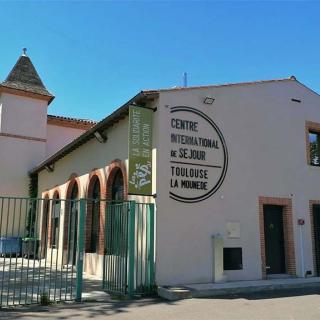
[140,151]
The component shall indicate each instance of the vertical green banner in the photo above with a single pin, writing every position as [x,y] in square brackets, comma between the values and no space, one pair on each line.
[140,150]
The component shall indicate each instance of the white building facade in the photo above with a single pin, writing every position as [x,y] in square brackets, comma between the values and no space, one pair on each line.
[234,186]
[235,175]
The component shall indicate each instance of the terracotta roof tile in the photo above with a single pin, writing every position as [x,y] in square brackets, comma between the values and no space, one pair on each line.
[84,124]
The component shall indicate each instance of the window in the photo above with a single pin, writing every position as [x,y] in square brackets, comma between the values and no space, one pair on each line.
[55,222]
[117,187]
[94,237]
[232,258]
[117,218]
[314,148]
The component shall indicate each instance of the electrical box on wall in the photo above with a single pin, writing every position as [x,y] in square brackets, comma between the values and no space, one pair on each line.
[233,229]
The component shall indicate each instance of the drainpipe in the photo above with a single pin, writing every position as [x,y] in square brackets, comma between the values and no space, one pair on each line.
[301,224]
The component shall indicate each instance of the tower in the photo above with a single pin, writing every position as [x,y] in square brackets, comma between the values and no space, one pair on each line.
[23,126]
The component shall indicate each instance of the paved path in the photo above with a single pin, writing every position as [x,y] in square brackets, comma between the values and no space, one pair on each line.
[299,304]
[23,280]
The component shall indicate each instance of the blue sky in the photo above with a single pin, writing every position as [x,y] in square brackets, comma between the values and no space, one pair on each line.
[94,56]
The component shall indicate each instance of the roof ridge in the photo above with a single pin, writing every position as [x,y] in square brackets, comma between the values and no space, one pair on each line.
[291,78]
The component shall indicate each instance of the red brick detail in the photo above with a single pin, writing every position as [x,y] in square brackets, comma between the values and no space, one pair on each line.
[93,176]
[311,203]
[310,126]
[17,136]
[111,170]
[70,122]
[286,203]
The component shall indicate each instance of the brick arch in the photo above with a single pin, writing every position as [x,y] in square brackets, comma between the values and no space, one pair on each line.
[112,169]
[56,193]
[73,179]
[93,177]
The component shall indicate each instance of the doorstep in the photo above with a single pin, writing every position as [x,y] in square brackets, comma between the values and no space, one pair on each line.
[202,290]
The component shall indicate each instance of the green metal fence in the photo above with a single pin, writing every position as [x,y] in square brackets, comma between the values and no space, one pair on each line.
[129,248]
[42,249]
[35,260]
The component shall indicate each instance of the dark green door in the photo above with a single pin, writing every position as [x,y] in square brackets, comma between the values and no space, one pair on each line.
[316,231]
[274,239]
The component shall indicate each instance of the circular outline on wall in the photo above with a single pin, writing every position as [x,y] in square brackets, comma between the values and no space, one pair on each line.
[225,153]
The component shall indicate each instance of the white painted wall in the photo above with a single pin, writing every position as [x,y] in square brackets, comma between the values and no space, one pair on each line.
[17,157]
[59,136]
[27,117]
[265,136]
[23,116]
[88,157]
[92,155]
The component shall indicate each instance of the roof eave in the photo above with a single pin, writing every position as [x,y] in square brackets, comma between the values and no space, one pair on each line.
[26,93]
[117,115]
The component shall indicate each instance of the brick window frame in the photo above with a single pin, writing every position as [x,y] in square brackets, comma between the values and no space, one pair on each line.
[311,127]
[288,233]
[311,203]
[93,176]
[111,172]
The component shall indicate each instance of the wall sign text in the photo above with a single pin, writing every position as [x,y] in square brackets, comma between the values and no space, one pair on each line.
[198,155]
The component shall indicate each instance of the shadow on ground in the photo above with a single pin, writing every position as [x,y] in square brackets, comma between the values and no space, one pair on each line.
[113,307]
[272,294]
[75,310]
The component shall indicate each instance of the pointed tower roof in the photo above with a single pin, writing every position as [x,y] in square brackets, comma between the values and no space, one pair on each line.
[25,79]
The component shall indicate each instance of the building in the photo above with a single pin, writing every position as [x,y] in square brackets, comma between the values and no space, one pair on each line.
[235,177]
[28,134]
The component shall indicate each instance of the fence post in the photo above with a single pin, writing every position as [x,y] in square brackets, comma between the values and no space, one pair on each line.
[131,246]
[106,243]
[80,253]
[150,244]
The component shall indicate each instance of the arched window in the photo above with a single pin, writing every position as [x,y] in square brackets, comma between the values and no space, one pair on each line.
[116,221]
[95,214]
[73,224]
[117,191]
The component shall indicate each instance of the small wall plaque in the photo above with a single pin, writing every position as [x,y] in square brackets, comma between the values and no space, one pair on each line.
[233,229]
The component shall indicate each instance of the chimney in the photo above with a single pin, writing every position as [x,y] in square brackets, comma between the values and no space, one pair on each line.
[185,80]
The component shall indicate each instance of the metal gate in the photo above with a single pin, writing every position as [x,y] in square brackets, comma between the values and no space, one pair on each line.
[42,249]
[34,256]
[129,248]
